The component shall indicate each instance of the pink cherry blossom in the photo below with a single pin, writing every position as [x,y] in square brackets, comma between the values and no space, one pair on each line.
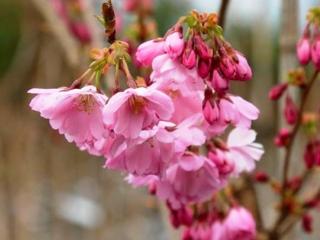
[243,151]
[76,113]
[239,225]
[133,110]
[197,232]
[193,178]
[174,45]
[147,51]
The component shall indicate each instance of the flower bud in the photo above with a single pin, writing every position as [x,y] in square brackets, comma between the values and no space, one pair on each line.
[174,45]
[204,67]
[261,177]
[312,154]
[307,222]
[210,112]
[315,52]
[304,50]
[202,48]
[147,51]
[189,58]
[219,83]
[277,91]
[243,70]
[282,138]
[227,67]
[290,111]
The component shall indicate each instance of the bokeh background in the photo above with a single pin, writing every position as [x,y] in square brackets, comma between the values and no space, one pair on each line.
[51,191]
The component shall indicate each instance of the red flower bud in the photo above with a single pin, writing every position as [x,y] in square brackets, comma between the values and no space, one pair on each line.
[277,91]
[261,177]
[312,154]
[204,68]
[290,111]
[282,139]
[202,48]
[307,222]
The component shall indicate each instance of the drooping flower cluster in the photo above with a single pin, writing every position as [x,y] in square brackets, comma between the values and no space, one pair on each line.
[168,134]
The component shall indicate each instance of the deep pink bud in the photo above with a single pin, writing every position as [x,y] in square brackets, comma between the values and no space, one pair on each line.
[290,111]
[202,48]
[307,222]
[189,58]
[304,50]
[227,66]
[204,67]
[277,91]
[211,112]
[174,45]
[185,216]
[312,154]
[243,70]
[261,177]
[81,32]
[219,83]
[315,52]
[282,138]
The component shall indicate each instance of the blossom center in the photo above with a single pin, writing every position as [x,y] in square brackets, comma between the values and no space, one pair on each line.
[86,103]
[137,104]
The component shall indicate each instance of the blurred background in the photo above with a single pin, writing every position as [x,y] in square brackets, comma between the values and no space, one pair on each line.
[51,191]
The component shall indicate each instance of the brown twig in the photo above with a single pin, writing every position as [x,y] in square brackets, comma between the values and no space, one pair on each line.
[289,148]
[223,12]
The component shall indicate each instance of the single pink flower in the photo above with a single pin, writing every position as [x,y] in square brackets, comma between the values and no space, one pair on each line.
[290,111]
[277,91]
[149,50]
[243,151]
[76,113]
[189,58]
[168,72]
[304,50]
[129,112]
[193,178]
[174,45]
[238,225]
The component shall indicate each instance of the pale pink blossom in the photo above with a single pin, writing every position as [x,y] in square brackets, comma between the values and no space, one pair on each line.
[174,45]
[192,179]
[149,50]
[168,71]
[75,113]
[243,151]
[129,112]
[239,225]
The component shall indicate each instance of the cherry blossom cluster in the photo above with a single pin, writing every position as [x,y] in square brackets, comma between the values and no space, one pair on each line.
[169,133]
